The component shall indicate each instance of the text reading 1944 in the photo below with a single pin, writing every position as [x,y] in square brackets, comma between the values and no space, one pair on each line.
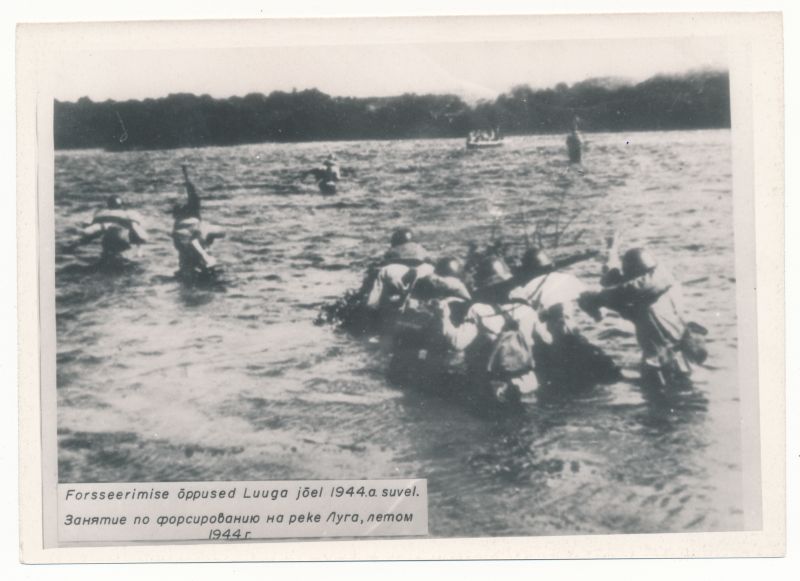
[243,510]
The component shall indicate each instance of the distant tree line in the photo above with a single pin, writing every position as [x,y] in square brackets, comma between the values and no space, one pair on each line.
[689,101]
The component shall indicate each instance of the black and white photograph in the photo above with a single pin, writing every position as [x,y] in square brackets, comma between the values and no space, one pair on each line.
[510,268]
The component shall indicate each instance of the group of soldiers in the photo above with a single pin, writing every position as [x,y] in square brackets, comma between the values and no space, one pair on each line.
[120,229]
[510,331]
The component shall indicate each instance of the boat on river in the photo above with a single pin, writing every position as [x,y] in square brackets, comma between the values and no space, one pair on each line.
[484,139]
[484,144]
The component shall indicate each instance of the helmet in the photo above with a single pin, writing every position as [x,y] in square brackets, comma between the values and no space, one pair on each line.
[330,160]
[449,266]
[636,262]
[535,260]
[491,271]
[401,236]
[114,202]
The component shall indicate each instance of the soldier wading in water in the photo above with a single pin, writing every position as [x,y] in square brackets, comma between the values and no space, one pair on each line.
[192,236]
[496,335]
[567,360]
[645,294]
[119,230]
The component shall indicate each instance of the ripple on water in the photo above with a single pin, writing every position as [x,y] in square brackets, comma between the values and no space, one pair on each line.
[159,380]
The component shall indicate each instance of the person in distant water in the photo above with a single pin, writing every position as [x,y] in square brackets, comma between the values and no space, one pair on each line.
[574,142]
[120,229]
[497,336]
[191,235]
[646,295]
[327,177]
[567,358]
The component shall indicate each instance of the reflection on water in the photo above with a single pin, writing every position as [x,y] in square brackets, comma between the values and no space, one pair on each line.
[161,380]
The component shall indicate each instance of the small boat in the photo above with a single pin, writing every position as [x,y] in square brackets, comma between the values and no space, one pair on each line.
[484,144]
[484,139]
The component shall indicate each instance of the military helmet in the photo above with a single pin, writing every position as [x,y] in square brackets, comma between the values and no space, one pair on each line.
[401,236]
[637,262]
[492,271]
[114,202]
[449,266]
[535,260]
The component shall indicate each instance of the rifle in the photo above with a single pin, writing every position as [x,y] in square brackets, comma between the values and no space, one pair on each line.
[525,228]
[557,264]
[574,259]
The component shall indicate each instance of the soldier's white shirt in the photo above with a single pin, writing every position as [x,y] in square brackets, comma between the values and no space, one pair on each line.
[549,290]
[393,278]
[485,319]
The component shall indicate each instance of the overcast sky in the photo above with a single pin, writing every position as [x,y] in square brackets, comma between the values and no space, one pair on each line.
[471,70]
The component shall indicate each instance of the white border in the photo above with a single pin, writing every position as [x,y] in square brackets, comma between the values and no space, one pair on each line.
[770,309]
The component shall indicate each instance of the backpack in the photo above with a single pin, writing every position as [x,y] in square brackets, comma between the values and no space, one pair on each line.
[510,355]
[693,343]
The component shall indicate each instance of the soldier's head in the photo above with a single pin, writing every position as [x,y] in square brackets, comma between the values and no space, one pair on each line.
[401,236]
[114,202]
[493,279]
[535,262]
[449,266]
[637,262]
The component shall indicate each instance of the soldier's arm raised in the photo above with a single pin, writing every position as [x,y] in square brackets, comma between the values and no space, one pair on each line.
[191,190]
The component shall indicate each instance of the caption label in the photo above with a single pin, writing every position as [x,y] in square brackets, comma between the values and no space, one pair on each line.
[241,511]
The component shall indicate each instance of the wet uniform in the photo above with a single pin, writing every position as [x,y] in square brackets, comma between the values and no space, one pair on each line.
[404,264]
[555,297]
[652,302]
[120,229]
[479,332]
[191,235]
[393,283]
[567,359]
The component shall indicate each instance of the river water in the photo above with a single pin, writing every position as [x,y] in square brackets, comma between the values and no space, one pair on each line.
[160,381]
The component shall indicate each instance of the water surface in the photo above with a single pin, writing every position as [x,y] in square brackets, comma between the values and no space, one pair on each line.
[158,381]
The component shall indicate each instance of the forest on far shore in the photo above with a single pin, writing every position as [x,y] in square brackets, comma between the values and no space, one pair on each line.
[697,100]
